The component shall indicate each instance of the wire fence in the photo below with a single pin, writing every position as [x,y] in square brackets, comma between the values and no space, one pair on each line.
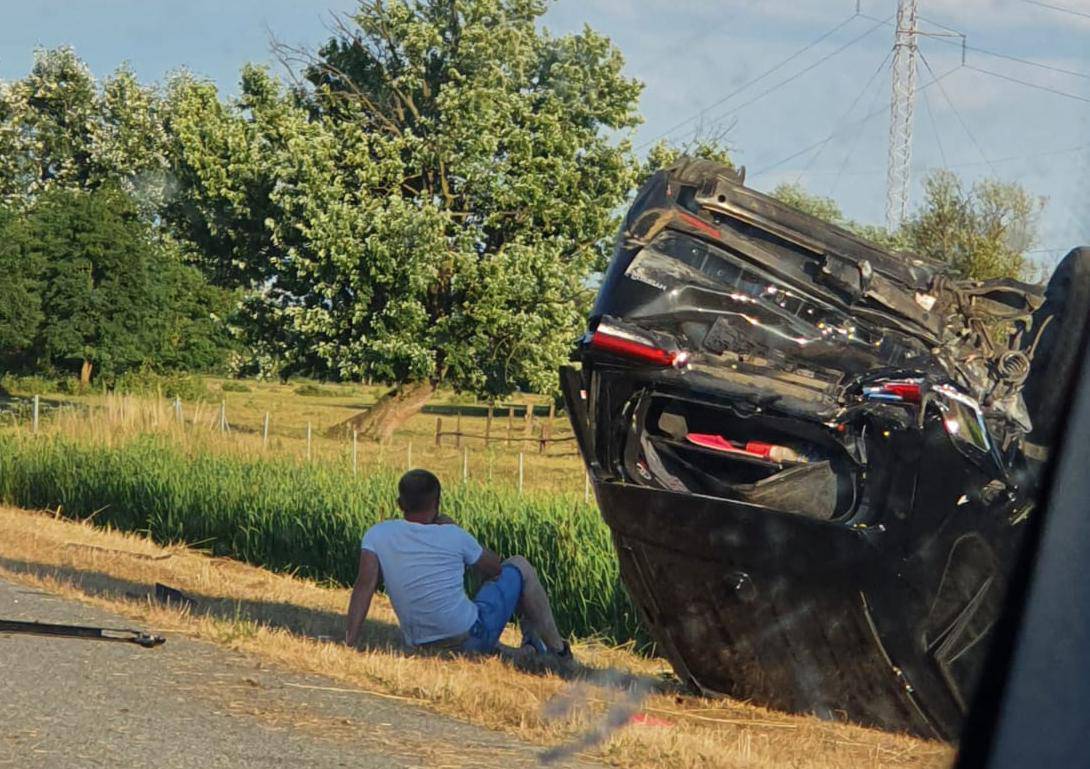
[509,445]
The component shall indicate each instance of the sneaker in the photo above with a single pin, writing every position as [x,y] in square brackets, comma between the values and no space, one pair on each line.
[564,654]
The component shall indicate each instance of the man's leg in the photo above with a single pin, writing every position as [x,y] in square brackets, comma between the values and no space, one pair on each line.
[496,602]
[535,613]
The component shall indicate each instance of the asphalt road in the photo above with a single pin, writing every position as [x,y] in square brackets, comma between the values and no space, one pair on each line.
[83,703]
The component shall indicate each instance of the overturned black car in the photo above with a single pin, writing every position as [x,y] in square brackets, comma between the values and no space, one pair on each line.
[815,456]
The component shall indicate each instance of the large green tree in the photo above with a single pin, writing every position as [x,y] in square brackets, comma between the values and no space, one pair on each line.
[20,291]
[59,127]
[425,207]
[91,288]
[87,277]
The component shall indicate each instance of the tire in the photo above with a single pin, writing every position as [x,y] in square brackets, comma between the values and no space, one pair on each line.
[1058,355]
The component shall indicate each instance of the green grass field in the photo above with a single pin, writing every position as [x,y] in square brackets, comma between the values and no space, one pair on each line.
[292,407]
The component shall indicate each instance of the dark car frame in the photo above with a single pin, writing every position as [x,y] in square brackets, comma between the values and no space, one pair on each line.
[816,457]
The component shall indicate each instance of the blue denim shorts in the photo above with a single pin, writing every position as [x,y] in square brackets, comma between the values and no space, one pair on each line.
[496,602]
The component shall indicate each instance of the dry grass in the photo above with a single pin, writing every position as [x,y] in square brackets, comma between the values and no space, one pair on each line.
[283,620]
[114,418]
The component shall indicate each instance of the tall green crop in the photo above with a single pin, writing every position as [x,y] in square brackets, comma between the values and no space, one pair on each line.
[309,518]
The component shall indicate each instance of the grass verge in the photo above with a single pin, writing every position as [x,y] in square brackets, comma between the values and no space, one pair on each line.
[283,619]
[308,518]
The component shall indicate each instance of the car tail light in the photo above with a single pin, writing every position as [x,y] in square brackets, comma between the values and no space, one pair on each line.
[625,345]
[698,224]
[907,392]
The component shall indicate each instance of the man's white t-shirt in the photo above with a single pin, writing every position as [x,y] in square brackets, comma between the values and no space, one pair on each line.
[423,566]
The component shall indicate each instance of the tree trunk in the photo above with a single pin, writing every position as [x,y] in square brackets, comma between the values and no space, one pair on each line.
[85,373]
[391,411]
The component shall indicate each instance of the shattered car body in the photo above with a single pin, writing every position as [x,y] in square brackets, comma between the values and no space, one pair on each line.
[814,455]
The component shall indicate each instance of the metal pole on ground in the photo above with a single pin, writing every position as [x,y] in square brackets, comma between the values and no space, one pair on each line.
[520,472]
[265,432]
[34,418]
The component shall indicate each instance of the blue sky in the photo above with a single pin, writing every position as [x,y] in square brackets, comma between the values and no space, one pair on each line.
[693,53]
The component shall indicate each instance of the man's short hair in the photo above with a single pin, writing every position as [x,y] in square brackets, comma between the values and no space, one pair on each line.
[418,491]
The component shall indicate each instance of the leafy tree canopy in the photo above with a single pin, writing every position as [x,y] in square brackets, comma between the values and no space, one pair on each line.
[983,231]
[60,128]
[426,205]
[91,289]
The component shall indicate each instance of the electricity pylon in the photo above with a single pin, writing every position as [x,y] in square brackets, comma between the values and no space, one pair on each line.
[903,103]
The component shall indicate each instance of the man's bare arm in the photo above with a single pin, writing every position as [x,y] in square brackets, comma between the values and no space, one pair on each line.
[488,565]
[362,593]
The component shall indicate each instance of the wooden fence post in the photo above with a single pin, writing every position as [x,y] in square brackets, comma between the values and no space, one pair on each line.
[510,422]
[543,439]
[34,418]
[488,426]
[265,432]
[223,416]
[438,430]
[458,430]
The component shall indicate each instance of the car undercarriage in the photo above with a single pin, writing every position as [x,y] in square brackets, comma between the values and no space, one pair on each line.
[815,455]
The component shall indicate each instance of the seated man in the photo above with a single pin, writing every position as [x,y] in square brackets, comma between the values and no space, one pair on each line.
[422,560]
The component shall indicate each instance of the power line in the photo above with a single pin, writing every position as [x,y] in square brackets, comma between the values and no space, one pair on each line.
[855,142]
[848,111]
[795,76]
[1027,62]
[935,128]
[966,47]
[1028,84]
[817,41]
[863,119]
[1059,8]
[957,114]
[994,161]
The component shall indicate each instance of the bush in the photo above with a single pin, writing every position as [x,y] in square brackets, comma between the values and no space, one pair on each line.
[73,386]
[318,391]
[29,385]
[188,387]
[231,386]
